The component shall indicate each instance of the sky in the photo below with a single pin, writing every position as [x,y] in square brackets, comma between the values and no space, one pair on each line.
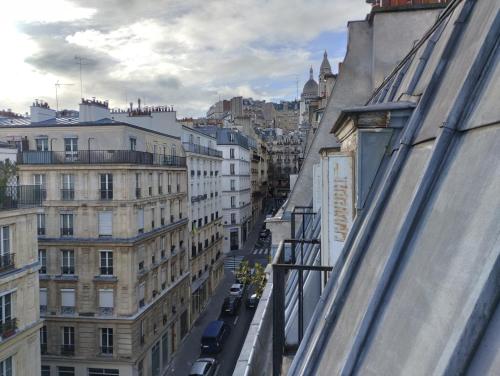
[185,53]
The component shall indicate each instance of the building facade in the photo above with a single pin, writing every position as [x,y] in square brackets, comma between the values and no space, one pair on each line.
[114,276]
[20,324]
[204,163]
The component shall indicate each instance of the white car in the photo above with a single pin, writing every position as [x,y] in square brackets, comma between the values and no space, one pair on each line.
[204,367]
[236,289]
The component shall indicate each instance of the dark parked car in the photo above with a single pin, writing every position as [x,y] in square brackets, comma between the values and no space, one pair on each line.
[231,305]
[204,367]
[214,336]
[252,301]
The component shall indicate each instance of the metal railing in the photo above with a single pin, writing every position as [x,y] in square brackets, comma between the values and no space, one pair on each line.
[199,149]
[99,157]
[6,261]
[21,196]
[8,327]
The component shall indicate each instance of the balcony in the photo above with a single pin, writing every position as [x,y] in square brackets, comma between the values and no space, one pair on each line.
[67,349]
[20,197]
[34,157]
[199,149]
[107,350]
[106,194]
[8,328]
[67,231]
[67,194]
[6,261]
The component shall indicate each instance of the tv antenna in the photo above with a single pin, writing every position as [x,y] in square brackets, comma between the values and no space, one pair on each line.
[81,61]
[58,86]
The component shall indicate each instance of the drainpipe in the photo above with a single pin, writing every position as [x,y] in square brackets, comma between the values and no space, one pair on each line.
[330,319]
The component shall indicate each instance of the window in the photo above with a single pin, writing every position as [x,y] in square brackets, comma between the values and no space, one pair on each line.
[140,368]
[42,144]
[71,147]
[40,223]
[160,183]
[162,216]
[39,180]
[106,189]
[67,224]
[177,180]
[137,185]
[68,340]
[164,349]
[68,187]
[45,371]
[65,371]
[5,256]
[233,218]
[6,367]
[105,219]
[107,340]
[231,137]
[43,300]
[68,301]
[162,246]
[140,220]
[133,143]
[233,201]
[231,169]
[106,263]
[142,333]
[231,153]
[142,288]
[42,259]
[233,184]
[68,261]
[153,213]
[106,302]
[8,323]
[155,359]
[103,372]
[43,340]
[150,184]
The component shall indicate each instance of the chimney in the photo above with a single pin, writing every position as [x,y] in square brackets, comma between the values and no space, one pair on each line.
[378,5]
[40,111]
[93,110]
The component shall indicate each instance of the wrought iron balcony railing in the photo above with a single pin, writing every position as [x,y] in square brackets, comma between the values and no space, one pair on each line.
[6,261]
[8,328]
[21,196]
[99,157]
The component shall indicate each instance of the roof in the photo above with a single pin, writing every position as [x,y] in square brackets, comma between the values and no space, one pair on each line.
[415,290]
[213,328]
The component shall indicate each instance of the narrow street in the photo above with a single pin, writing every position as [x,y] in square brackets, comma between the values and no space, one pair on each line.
[190,346]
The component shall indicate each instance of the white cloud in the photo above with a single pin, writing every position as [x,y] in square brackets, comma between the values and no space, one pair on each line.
[184,52]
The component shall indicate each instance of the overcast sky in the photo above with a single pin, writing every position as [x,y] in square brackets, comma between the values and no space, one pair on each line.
[185,53]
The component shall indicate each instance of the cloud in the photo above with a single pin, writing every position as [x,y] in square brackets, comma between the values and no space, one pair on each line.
[185,53]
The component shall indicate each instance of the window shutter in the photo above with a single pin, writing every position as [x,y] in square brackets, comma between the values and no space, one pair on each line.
[106,298]
[140,218]
[106,223]
[67,297]
[43,297]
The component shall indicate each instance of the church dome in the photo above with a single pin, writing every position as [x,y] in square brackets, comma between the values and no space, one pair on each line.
[311,86]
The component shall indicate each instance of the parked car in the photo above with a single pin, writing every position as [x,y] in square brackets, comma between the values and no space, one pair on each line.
[231,305]
[236,289]
[214,336]
[252,301]
[204,367]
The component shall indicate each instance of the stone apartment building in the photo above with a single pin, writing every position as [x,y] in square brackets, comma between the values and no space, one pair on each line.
[204,163]
[20,322]
[114,275]
[236,188]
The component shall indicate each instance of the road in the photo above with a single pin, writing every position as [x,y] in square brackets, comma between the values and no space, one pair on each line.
[190,347]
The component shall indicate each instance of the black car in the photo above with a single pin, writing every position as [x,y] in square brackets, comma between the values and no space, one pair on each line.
[231,305]
[252,301]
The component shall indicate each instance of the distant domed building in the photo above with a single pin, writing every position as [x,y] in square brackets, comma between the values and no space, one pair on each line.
[310,90]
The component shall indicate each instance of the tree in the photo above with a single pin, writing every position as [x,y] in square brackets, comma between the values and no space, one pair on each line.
[8,170]
[259,279]
[243,273]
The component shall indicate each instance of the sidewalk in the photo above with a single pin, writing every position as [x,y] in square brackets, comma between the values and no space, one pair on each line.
[189,349]
[252,238]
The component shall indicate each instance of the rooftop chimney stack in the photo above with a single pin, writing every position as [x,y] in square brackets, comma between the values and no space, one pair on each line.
[93,110]
[40,111]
